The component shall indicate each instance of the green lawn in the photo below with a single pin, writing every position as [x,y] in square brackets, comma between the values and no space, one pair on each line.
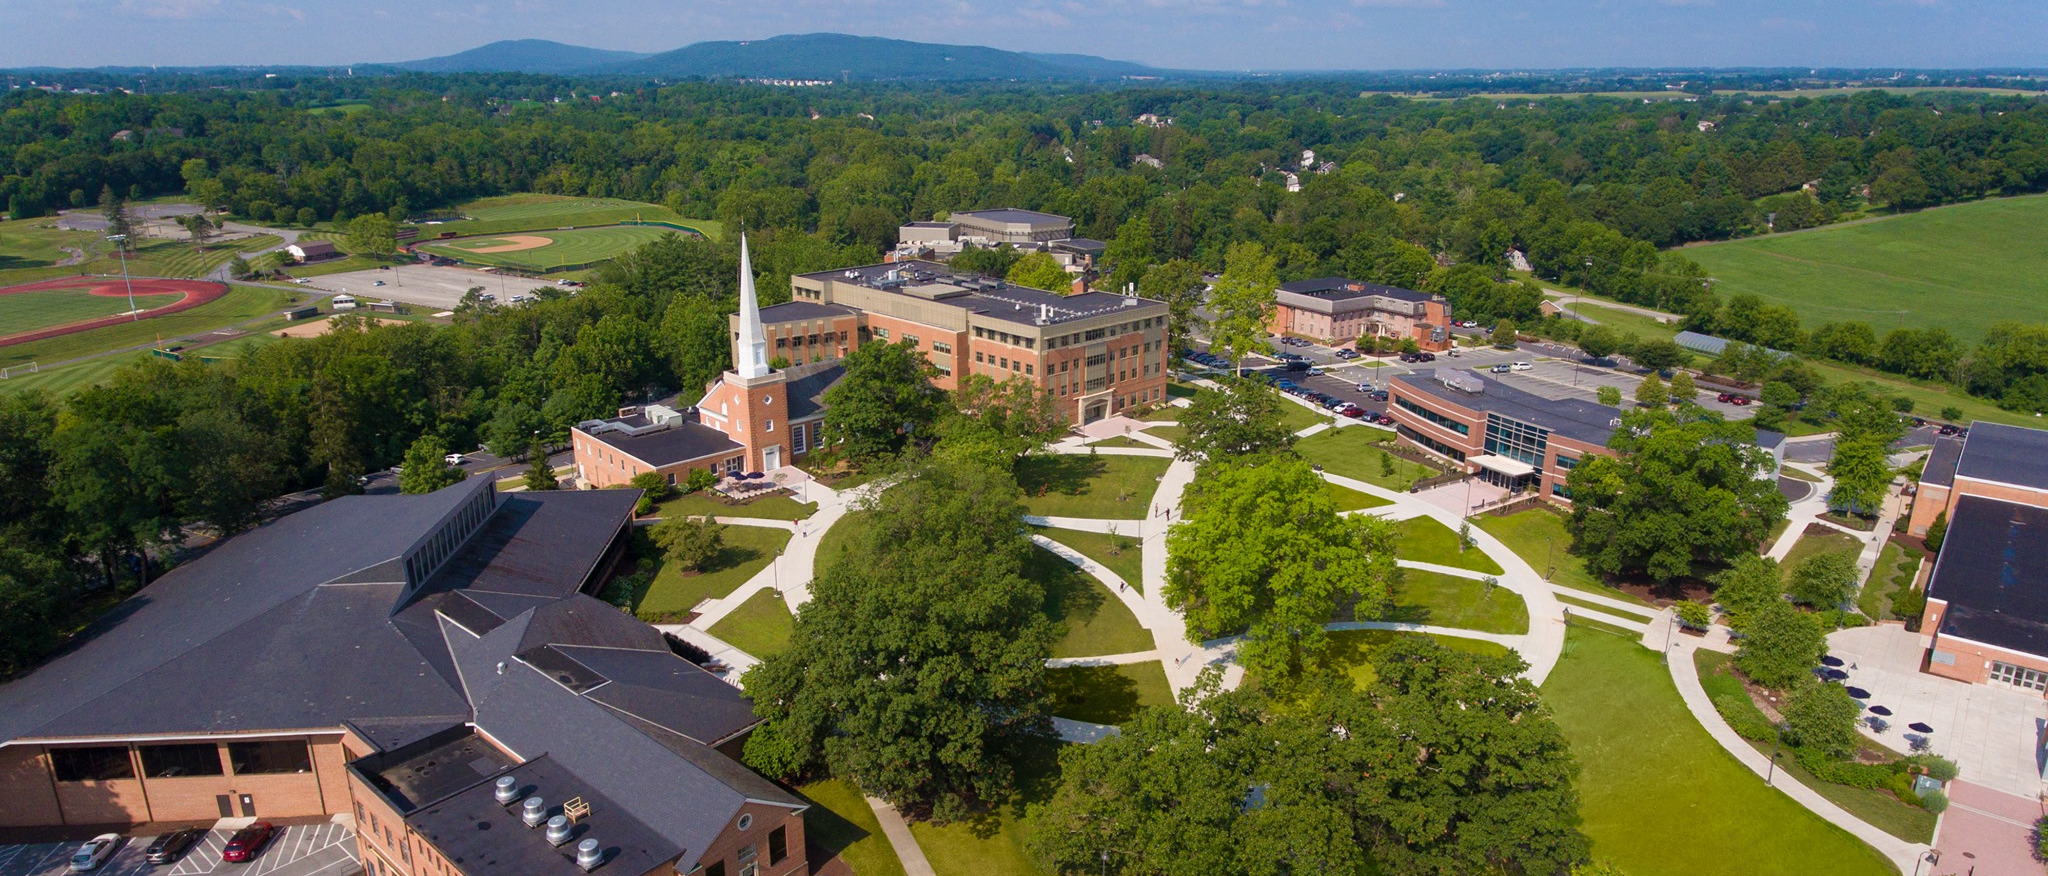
[1119,441]
[1882,810]
[1538,536]
[1423,540]
[1122,555]
[1799,475]
[1102,486]
[705,504]
[1961,267]
[836,539]
[1352,651]
[1355,453]
[1442,600]
[1107,694]
[842,825]
[29,311]
[1347,499]
[1297,416]
[581,247]
[993,845]
[760,626]
[748,550]
[1659,797]
[240,304]
[1894,572]
[1171,431]
[1818,540]
[1095,622]
[531,211]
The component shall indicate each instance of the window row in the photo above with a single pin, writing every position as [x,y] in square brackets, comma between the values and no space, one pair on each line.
[101,763]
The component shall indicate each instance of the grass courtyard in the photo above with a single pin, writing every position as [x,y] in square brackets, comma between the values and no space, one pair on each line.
[1815,541]
[1538,536]
[1442,600]
[1121,555]
[1107,694]
[761,626]
[704,504]
[1101,486]
[1352,652]
[842,824]
[1659,797]
[993,845]
[1095,622]
[748,550]
[1356,452]
[1423,540]
[1890,578]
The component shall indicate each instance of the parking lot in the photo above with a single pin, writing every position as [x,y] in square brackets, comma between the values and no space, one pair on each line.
[325,849]
[425,285]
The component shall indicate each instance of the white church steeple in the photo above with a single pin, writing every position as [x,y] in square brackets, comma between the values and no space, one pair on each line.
[750,353]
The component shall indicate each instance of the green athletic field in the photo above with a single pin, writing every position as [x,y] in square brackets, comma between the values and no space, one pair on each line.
[1961,268]
[583,246]
[29,311]
[528,212]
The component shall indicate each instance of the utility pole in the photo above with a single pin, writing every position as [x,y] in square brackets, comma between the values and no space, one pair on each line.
[120,242]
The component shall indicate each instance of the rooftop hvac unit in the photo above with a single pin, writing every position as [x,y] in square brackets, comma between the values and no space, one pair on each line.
[507,790]
[534,812]
[588,855]
[558,830]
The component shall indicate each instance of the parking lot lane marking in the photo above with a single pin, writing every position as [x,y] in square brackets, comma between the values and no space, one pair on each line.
[53,859]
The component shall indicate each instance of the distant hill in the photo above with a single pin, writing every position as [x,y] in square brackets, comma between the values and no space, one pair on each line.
[523,56]
[802,56]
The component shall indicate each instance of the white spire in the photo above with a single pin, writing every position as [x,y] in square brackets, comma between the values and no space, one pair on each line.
[750,354]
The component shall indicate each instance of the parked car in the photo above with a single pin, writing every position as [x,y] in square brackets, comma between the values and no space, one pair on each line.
[1347,354]
[172,846]
[453,459]
[1524,366]
[1502,368]
[1379,395]
[1383,419]
[95,852]
[1314,371]
[1351,410]
[1365,386]
[248,842]
[1426,357]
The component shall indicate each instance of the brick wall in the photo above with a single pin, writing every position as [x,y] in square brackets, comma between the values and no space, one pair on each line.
[765,820]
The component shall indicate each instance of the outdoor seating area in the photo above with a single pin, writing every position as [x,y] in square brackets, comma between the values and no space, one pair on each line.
[1990,730]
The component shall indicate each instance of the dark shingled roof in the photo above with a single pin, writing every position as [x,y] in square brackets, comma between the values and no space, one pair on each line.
[682,441]
[793,311]
[1940,470]
[2006,455]
[1572,418]
[807,385]
[1993,572]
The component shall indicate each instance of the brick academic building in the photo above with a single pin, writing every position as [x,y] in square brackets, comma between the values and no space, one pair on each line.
[1987,596]
[432,668]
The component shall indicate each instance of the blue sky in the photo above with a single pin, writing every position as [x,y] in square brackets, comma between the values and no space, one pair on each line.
[1205,34]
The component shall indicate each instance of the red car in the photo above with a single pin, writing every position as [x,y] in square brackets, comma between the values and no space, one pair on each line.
[248,842]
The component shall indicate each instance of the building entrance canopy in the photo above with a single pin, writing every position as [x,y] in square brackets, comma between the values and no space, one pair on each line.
[1503,465]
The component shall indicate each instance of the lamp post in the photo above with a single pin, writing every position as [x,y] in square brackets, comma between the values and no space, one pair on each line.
[120,242]
[1670,634]
[776,565]
[1933,856]
[1773,772]
[1549,558]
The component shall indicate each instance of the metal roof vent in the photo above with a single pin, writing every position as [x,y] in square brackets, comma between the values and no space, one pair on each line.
[507,790]
[558,830]
[588,855]
[535,812]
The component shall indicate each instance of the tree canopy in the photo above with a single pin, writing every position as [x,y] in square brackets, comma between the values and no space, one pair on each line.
[1243,418]
[1680,491]
[884,402]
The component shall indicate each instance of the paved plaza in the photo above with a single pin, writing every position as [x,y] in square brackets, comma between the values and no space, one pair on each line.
[1989,729]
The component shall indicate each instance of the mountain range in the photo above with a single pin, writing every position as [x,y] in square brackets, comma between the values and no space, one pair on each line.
[829,56]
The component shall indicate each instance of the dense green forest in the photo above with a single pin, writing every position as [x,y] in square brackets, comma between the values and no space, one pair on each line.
[1426,194]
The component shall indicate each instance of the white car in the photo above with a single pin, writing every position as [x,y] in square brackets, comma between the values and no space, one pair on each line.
[1523,366]
[95,852]
[452,459]
[1365,387]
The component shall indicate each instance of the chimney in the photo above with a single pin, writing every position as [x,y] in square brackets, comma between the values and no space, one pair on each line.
[1080,286]
[534,812]
[588,855]
[507,791]
[558,830]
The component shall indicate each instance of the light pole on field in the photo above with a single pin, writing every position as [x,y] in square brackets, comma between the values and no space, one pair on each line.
[120,242]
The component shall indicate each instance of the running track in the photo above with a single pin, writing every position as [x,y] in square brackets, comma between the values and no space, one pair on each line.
[196,292]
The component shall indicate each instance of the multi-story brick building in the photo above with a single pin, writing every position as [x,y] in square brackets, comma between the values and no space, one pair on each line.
[1987,595]
[1508,437]
[1337,310]
[390,659]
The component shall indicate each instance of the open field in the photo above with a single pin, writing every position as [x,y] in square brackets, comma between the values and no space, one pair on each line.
[1098,486]
[548,251]
[240,304]
[1961,267]
[528,212]
[34,250]
[44,308]
[1659,797]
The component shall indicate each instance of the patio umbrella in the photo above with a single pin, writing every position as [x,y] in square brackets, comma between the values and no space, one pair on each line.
[1830,660]
[1835,674]
[1918,727]
[1880,710]
[1859,693]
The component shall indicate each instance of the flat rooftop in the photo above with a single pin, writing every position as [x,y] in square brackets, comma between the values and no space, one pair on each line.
[1993,572]
[2005,454]
[425,772]
[1576,419]
[987,296]
[1012,216]
[1940,470]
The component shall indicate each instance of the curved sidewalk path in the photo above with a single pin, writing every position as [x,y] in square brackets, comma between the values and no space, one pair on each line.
[1685,674]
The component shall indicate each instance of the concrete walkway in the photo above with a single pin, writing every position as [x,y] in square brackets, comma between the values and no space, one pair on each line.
[900,838]
[1685,674]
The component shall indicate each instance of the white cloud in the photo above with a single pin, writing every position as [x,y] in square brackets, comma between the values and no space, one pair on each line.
[174,9]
